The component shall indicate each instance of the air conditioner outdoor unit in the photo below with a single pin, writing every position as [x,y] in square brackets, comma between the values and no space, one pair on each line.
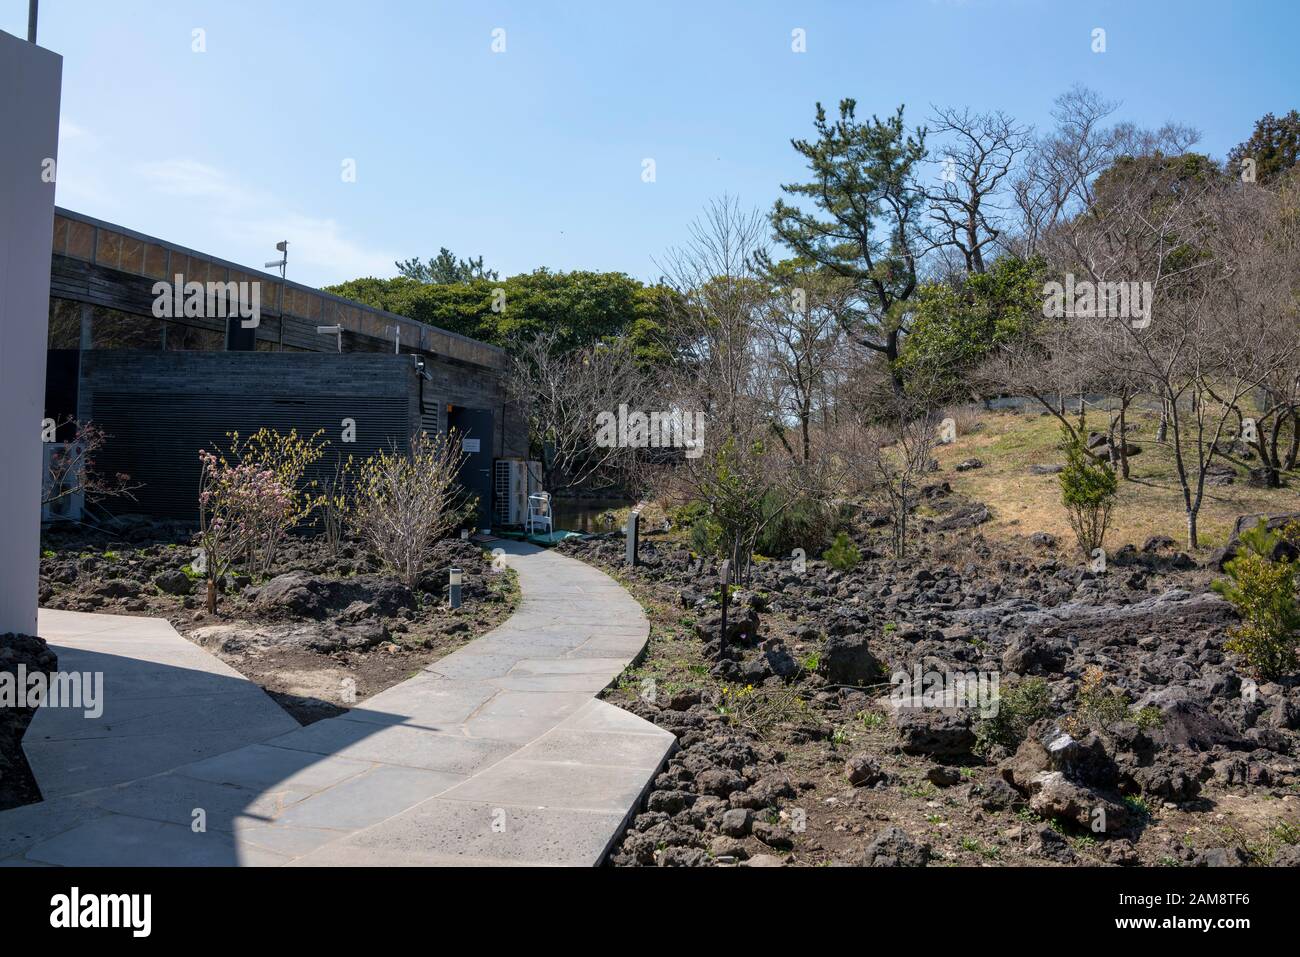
[64,507]
[513,481]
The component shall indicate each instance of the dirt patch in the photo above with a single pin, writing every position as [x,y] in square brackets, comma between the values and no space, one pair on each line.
[322,632]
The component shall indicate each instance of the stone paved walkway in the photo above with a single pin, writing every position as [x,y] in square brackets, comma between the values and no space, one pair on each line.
[496,754]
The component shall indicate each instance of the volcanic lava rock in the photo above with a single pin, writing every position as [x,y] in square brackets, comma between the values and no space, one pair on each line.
[174,582]
[862,770]
[893,847]
[847,660]
[941,732]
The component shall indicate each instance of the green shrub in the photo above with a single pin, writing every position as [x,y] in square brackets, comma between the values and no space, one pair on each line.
[706,536]
[808,523]
[1098,707]
[1017,709]
[1263,590]
[842,554]
[1149,717]
[1088,491]
[685,516]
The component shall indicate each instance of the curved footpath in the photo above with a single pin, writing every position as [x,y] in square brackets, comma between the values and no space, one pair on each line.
[496,754]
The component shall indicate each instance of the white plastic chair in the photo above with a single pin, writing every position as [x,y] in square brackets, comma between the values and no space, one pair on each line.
[539,512]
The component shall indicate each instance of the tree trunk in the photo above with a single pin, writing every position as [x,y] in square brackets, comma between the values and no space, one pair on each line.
[212,596]
[1191,530]
[1123,439]
[1294,450]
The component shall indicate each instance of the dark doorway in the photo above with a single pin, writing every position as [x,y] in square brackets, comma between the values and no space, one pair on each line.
[239,338]
[61,373]
[473,429]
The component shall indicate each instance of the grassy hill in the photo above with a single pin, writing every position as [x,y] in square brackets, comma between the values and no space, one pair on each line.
[1150,503]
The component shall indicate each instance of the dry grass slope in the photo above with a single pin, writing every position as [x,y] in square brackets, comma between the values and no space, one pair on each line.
[1149,504]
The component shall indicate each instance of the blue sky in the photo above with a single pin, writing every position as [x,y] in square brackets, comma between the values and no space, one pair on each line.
[533,157]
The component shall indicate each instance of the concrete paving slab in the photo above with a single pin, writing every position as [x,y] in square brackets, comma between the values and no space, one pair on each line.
[602,716]
[599,748]
[545,784]
[587,683]
[440,832]
[119,840]
[291,842]
[409,745]
[22,828]
[569,666]
[176,798]
[520,716]
[423,699]
[369,798]
[77,766]
[261,766]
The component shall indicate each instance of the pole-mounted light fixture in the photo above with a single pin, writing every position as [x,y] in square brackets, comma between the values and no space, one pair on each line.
[453,586]
[283,262]
[331,331]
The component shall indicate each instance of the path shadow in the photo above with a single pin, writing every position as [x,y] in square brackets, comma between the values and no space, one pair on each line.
[165,764]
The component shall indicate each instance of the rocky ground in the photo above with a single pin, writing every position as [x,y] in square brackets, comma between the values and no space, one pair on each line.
[20,656]
[320,633]
[1123,733]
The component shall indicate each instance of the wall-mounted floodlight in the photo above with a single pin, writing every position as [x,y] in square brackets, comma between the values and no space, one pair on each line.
[331,331]
[283,262]
[420,369]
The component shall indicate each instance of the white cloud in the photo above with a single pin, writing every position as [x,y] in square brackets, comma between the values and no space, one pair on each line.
[247,223]
[80,183]
[192,179]
[319,244]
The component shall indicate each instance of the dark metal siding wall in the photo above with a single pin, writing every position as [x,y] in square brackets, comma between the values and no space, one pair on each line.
[160,409]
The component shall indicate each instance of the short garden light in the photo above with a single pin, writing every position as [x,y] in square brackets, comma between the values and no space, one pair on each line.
[453,591]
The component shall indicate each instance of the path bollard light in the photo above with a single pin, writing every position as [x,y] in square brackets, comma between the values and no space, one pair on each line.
[464,534]
[453,587]
[724,580]
[633,524]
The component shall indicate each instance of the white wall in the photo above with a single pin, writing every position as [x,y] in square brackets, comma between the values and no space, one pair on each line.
[30,82]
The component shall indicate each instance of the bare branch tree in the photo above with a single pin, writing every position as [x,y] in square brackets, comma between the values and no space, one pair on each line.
[404,502]
[564,393]
[976,162]
[72,469]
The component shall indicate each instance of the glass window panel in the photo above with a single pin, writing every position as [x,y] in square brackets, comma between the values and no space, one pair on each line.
[110,329]
[65,324]
[192,339]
